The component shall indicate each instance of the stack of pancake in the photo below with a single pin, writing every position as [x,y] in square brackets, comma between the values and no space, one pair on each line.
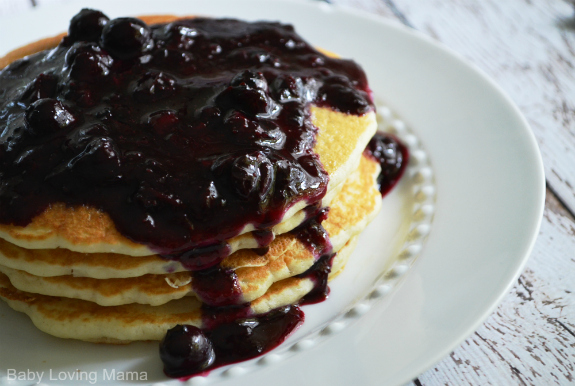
[77,277]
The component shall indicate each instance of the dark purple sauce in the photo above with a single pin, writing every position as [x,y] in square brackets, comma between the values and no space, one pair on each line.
[213,317]
[182,132]
[313,235]
[319,273]
[201,258]
[253,336]
[217,286]
[316,238]
[392,155]
[236,336]
[263,237]
[232,334]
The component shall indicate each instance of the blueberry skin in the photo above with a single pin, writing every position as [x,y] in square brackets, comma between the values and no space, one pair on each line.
[126,37]
[185,350]
[87,25]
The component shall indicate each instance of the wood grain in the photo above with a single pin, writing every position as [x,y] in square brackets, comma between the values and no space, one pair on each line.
[378,7]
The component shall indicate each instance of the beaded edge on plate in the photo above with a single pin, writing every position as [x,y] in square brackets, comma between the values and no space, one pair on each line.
[419,174]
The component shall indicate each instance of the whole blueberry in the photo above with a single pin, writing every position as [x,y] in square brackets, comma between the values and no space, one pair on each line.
[185,350]
[246,174]
[90,67]
[44,86]
[154,86]
[87,25]
[48,115]
[126,37]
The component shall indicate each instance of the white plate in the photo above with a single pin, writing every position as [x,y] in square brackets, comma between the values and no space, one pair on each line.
[490,196]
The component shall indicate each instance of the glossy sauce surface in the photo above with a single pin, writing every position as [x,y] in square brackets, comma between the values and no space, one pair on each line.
[230,332]
[183,133]
[187,351]
[392,155]
[216,286]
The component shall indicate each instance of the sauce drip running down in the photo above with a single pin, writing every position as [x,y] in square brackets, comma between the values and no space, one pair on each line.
[218,287]
[231,333]
[392,155]
[184,133]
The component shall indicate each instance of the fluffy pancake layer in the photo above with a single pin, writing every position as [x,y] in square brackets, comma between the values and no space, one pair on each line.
[88,321]
[353,208]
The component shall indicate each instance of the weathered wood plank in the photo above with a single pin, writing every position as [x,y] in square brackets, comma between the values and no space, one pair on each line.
[556,206]
[377,7]
[528,48]
[530,338]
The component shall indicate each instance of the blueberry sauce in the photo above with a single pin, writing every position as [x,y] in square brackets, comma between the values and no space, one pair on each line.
[231,333]
[392,155]
[313,234]
[200,258]
[252,336]
[319,273]
[264,237]
[213,317]
[217,286]
[187,351]
[316,238]
[183,133]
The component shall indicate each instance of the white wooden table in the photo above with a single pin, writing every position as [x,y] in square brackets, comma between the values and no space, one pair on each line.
[528,48]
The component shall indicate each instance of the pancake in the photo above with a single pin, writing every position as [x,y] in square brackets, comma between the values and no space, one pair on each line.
[83,320]
[353,208]
[59,262]
[340,141]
